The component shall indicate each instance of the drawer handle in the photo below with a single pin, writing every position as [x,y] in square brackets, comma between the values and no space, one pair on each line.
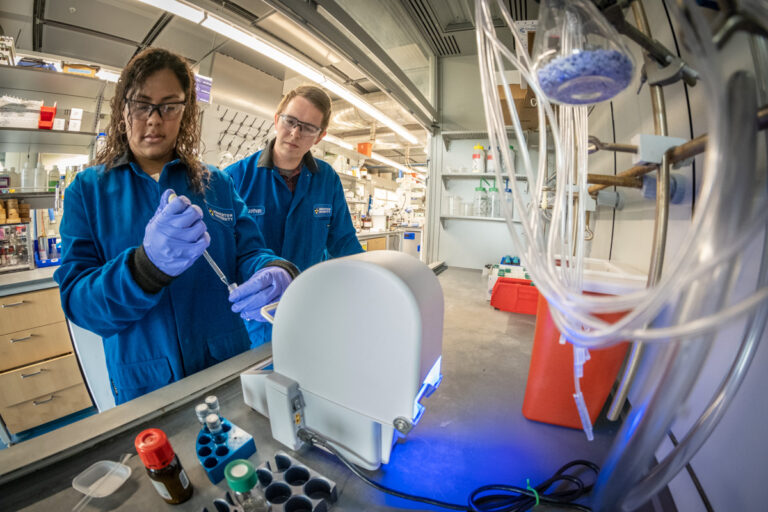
[12,304]
[25,338]
[35,402]
[38,372]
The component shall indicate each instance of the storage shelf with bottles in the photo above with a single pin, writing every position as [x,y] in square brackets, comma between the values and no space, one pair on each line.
[69,91]
[45,141]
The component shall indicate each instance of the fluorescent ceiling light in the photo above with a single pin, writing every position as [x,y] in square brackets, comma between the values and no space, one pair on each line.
[369,109]
[256,44]
[186,11]
[335,140]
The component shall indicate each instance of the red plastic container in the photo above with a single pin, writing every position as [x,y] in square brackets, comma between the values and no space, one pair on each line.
[549,391]
[515,295]
[46,117]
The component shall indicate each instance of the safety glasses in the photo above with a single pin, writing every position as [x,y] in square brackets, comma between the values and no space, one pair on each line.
[142,110]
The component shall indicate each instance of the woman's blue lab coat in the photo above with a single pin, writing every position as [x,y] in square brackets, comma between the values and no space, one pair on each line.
[300,226]
[150,339]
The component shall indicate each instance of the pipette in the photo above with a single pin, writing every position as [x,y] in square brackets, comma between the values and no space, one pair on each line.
[214,266]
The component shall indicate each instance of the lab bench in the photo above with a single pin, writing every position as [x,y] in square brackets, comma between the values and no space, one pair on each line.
[57,457]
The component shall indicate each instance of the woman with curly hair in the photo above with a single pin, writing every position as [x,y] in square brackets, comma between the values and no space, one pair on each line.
[134,228]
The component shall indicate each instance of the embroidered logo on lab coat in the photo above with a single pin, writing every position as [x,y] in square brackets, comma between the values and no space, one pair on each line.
[223,215]
[256,210]
[322,211]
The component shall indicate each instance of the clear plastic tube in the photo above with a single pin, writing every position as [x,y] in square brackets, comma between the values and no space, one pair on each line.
[544,243]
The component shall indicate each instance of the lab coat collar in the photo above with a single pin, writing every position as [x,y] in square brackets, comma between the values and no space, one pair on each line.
[127,159]
[265,159]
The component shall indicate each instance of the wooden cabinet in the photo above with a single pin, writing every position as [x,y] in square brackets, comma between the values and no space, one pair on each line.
[40,379]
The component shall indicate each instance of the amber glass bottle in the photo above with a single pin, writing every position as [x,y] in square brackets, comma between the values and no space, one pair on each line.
[163,466]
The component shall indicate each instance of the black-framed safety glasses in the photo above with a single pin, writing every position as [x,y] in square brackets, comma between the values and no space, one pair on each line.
[142,110]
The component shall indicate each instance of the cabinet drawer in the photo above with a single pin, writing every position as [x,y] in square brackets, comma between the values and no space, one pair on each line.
[35,344]
[33,309]
[38,379]
[45,408]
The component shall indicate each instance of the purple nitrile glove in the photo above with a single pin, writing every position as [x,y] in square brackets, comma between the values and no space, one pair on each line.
[264,287]
[176,235]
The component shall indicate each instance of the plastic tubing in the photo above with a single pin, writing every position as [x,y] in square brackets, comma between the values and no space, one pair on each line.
[663,472]
[573,312]
[551,280]
[643,432]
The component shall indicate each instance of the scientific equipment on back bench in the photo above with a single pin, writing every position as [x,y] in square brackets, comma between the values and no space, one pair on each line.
[358,380]
[578,56]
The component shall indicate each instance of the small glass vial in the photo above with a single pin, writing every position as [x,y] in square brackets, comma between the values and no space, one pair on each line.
[480,202]
[478,159]
[213,404]
[242,479]
[163,466]
[213,422]
[201,411]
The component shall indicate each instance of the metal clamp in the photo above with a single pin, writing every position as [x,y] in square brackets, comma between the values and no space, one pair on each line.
[12,304]
[25,338]
[35,402]
[38,372]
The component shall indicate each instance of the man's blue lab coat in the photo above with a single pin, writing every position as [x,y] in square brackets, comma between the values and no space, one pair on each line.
[152,339]
[299,226]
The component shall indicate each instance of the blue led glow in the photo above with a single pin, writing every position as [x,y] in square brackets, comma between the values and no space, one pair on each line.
[431,383]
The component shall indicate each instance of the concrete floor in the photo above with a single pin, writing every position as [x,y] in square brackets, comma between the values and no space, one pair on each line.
[473,432]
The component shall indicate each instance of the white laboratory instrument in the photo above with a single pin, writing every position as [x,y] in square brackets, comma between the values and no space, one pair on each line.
[357,344]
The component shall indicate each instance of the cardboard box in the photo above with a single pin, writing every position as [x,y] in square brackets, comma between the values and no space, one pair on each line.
[377,244]
[529,117]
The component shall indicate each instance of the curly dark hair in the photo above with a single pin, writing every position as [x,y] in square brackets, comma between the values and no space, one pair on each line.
[141,67]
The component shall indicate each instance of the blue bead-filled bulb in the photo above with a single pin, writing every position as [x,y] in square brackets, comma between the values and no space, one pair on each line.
[586,77]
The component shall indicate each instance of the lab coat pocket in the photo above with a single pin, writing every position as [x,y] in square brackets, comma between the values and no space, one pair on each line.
[228,345]
[135,379]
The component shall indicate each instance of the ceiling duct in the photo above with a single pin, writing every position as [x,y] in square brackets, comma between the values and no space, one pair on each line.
[426,21]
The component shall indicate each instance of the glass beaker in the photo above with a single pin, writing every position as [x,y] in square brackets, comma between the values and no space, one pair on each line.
[480,202]
[579,58]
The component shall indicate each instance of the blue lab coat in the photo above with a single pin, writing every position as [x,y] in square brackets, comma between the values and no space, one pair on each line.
[305,226]
[151,339]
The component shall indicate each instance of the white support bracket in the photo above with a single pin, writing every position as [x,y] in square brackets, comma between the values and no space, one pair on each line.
[651,148]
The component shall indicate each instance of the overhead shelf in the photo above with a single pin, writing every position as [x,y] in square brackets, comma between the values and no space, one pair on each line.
[444,218]
[53,82]
[36,200]
[450,136]
[479,175]
[46,141]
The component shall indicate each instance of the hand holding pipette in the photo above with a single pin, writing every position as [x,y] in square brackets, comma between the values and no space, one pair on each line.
[176,235]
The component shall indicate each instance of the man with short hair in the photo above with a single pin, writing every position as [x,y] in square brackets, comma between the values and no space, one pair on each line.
[297,200]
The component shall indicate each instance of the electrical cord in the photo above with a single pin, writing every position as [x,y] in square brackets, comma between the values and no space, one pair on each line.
[488,498]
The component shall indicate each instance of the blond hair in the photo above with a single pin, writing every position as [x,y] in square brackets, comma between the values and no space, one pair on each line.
[318,97]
